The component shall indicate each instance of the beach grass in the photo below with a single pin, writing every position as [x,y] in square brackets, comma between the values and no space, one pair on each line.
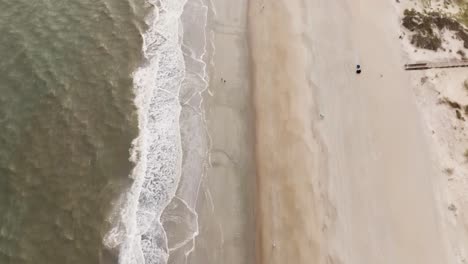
[427,25]
[462,16]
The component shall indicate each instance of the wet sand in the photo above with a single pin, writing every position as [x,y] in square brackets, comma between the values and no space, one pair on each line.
[372,198]
[226,200]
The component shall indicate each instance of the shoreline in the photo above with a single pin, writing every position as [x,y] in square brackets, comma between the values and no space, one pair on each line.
[224,207]
[156,221]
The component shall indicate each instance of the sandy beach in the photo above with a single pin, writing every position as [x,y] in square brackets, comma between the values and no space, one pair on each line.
[442,99]
[288,151]
[309,162]
[226,200]
[359,185]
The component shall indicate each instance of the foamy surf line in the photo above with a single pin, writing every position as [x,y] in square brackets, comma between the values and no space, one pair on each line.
[173,73]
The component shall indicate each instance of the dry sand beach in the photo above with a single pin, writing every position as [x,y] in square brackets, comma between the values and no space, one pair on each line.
[288,153]
[359,185]
[442,99]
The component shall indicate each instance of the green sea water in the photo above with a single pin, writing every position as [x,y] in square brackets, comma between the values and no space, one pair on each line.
[67,120]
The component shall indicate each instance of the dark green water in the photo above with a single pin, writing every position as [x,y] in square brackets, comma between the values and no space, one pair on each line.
[66,124]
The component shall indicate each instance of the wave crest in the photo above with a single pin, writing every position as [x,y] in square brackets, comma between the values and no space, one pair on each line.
[168,96]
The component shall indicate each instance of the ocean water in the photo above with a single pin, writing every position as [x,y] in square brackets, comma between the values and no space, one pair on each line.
[102,135]
[67,120]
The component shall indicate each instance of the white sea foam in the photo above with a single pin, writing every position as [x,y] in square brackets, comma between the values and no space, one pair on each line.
[172,138]
[181,220]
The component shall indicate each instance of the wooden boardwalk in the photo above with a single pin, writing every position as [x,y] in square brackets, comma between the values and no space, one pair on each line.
[436,65]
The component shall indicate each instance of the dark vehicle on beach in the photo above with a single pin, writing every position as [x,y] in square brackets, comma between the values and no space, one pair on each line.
[358,69]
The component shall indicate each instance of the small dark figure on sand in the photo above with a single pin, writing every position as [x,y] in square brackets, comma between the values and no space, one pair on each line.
[358,69]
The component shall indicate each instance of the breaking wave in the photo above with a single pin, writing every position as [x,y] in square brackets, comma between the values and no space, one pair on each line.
[171,149]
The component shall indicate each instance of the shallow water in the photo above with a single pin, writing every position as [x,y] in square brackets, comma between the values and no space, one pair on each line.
[67,119]
[156,221]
